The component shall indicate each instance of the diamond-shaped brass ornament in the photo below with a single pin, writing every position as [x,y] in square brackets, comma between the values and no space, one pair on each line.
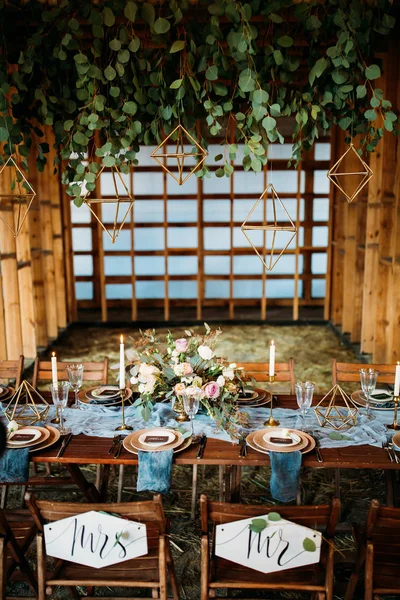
[120,213]
[19,199]
[159,153]
[270,194]
[337,176]
[338,416]
[23,407]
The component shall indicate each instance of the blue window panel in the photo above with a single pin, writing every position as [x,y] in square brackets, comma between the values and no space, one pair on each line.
[286,265]
[216,265]
[150,289]
[182,265]
[182,289]
[81,214]
[119,291]
[144,157]
[180,237]
[148,211]
[148,238]
[216,185]
[318,288]
[321,209]
[83,265]
[322,151]
[148,184]
[241,209]
[117,265]
[109,212]
[149,265]
[82,239]
[189,187]
[107,185]
[319,263]
[243,265]
[282,288]
[217,289]
[84,290]
[249,182]
[217,210]
[320,236]
[182,211]
[217,238]
[251,288]
[321,182]
[123,241]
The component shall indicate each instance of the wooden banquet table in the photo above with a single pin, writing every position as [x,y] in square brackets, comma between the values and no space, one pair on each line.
[83,450]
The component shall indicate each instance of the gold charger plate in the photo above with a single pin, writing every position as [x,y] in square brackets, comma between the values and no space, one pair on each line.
[258,439]
[258,394]
[133,440]
[359,398]
[310,444]
[52,439]
[7,397]
[85,400]
[45,434]
[186,443]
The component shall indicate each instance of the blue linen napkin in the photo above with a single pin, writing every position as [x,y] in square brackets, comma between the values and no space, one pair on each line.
[285,473]
[154,471]
[14,466]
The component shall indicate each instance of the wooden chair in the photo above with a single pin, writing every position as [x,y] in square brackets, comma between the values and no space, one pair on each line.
[342,372]
[259,371]
[218,573]
[92,371]
[17,532]
[379,552]
[12,369]
[148,571]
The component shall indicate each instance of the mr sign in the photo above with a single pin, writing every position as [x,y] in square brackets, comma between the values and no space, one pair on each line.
[268,543]
[95,539]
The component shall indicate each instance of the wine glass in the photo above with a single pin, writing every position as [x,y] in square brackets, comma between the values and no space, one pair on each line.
[75,378]
[368,379]
[59,393]
[191,404]
[304,396]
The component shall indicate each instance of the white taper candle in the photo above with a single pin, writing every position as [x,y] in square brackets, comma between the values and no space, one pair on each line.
[397,380]
[122,364]
[54,368]
[272,359]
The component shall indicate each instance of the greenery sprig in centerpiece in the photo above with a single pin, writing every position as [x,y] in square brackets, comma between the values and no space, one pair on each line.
[165,370]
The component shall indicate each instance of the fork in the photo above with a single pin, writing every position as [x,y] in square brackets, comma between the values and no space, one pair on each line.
[114,443]
[394,453]
[385,446]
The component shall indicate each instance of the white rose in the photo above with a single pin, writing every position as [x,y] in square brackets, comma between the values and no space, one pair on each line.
[233,366]
[12,426]
[221,381]
[205,352]
[197,381]
[134,380]
[228,374]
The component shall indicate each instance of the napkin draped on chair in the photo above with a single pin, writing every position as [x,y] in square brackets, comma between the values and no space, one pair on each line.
[14,466]
[285,474]
[154,471]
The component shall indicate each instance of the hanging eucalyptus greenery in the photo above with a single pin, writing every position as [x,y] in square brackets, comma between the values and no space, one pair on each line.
[110,76]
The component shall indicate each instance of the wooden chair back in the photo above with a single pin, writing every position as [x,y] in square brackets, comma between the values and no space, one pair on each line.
[17,532]
[12,369]
[342,372]
[92,371]
[259,372]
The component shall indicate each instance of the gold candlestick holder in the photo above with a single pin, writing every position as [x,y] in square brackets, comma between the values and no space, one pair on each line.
[123,426]
[395,425]
[271,422]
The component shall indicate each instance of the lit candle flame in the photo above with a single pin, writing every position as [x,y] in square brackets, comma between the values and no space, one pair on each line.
[121,339]
[272,343]
[53,354]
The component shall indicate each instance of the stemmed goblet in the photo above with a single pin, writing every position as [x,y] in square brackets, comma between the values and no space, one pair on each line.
[304,396]
[59,393]
[368,379]
[191,404]
[75,378]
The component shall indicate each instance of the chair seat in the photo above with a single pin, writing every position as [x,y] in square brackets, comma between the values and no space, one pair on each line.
[231,575]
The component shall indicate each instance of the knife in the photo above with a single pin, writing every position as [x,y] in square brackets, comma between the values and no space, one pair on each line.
[64,445]
[120,443]
[200,451]
[114,443]
[318,451]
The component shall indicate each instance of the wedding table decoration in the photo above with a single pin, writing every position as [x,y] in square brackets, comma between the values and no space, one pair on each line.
[169,369]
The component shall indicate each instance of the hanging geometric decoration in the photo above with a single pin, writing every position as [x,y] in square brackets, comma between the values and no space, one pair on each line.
[277,232]
[337,415]
[122,199]
[358,178]
[20,197]
[161,152]
[23,408]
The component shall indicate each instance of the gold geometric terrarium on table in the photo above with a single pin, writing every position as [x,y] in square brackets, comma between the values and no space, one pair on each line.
[350,183]
[161,154]
[121,198]
[276,230]
[23,407]
[338,416]
[18,196]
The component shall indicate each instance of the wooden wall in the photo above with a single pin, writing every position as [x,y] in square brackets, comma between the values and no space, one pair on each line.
[33,306]
[365,247]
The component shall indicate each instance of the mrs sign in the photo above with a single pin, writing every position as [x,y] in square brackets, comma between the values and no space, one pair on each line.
[268,543]
[95,539]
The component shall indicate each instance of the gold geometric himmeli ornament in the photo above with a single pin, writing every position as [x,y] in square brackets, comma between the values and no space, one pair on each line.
[360,177]
[338,416]
[120,188]
[22,407]
[19,198]
[285,231]
[159,154]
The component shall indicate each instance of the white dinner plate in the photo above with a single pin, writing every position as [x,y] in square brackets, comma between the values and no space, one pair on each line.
[34,434]
[170,435]
[295,439]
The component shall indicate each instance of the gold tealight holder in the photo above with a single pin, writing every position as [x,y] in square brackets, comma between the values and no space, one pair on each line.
[179,409]
[271,422]
[395,425]
[123,426]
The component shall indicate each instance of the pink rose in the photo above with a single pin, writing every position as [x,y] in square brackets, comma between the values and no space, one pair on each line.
[183,369]
[181,345]
[211,390]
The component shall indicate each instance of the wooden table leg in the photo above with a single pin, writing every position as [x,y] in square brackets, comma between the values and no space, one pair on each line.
[235,485]
[89,490]
[228,482]
[104,479]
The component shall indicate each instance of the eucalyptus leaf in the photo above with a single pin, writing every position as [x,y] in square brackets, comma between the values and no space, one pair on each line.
[177,46]
[161,25]
[130,11]
[372,72]
[309,545]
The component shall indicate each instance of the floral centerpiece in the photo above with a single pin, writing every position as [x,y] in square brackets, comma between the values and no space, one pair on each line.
[167,370]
